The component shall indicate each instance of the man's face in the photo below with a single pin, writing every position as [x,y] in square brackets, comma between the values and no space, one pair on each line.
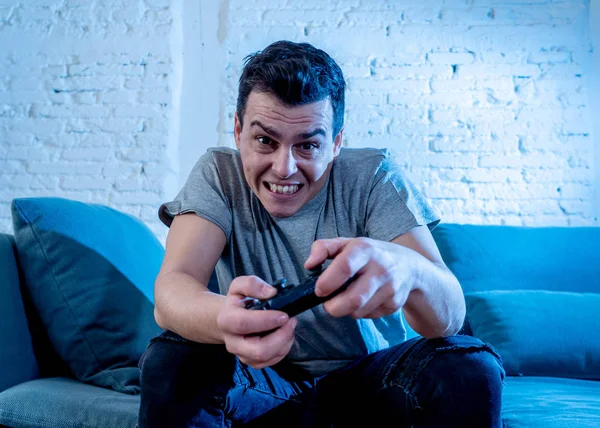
[287,152]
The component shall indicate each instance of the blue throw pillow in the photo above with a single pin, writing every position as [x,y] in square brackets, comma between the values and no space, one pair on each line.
[538,332]
[90,271]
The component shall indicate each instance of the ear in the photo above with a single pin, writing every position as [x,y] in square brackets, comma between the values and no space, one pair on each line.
[237,130]
[337,143]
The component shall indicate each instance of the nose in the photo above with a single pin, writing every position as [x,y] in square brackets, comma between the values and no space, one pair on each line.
[284,164]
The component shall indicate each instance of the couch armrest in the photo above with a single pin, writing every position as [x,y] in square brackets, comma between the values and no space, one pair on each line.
[17,359]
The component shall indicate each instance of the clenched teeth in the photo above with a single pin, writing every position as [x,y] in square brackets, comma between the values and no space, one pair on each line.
[286,190]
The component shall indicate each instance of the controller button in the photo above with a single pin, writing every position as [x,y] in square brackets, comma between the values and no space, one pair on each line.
[281,285]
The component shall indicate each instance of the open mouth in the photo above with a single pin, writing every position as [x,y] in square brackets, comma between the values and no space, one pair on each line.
[288,189]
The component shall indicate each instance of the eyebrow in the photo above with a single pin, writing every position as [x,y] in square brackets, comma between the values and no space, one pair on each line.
[303,136]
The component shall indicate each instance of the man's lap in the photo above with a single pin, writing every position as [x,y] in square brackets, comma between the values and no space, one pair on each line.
[206,376]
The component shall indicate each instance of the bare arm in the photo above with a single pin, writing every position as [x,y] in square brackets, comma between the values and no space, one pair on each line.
[406,273]
[183,303]
[436,306]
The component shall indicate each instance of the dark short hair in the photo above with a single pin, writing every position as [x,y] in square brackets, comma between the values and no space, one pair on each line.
[297,74]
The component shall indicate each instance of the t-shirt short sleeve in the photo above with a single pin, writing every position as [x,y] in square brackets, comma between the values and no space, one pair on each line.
[202,194]
[395,204]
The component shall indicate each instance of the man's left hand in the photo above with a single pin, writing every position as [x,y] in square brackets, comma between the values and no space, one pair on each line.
[385,275]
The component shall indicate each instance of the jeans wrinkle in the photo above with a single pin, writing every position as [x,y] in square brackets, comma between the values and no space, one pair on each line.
[423,363]
[402,361]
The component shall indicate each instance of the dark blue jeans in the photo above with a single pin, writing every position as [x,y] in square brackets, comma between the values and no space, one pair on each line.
[449,382]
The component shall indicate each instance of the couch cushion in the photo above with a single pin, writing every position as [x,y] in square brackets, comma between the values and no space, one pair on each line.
[17,360]
[487,257]
[538,402]
[538,332]
[66,403]
[90,272]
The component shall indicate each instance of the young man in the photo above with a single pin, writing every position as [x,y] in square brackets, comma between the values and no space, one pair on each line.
[288,200]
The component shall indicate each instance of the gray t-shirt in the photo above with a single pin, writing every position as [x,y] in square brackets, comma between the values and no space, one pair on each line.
[366,195]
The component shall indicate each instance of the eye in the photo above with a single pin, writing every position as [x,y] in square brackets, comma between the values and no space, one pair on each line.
[264,140]
[309,146]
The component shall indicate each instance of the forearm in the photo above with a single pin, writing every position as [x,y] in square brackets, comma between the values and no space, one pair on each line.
[188,308]
[436,306]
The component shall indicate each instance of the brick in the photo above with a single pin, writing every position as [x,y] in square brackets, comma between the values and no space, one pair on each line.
[420,14]
[476,144]
[109,125]
[25,153]
[78,70]
[144,154]
[158,69]
[531,14]
[79,98]
[141,111]
[576,191]
[119,169]
[87,154]
[314,17]
[576,206]
[129,185]
[129,14]
[387,85]
[419,72]
[35,126]
[61,111]
[86,83]
[576,121]
[445,160]
[64,168]
[499,70]
[454,85]
[22,97]
[450,58]
[492,175]
[137,197]
[365,99]
[161,97]
[158,4]
[513,191]
[447,190]
[551,57]
[86,183]
[558,71]
[25,83]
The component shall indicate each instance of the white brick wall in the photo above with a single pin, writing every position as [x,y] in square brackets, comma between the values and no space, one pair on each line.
[85,103]
[484,102]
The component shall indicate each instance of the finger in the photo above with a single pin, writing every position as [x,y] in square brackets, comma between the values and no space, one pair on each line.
[381,311]
[259,352]
[245,321]
[324,249]
[344,266]
[251,286]
[356,297]
[380,299]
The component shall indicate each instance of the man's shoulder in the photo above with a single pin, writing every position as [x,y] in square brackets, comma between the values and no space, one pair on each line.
[224,160]
[367,158]
[222,154]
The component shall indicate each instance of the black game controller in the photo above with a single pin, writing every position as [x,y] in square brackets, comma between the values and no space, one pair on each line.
[294,299]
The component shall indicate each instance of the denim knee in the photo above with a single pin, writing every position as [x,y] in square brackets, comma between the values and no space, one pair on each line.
[172,368]
[457,381]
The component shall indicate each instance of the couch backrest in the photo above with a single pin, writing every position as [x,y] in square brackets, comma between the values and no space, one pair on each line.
[17,359]
[485,257]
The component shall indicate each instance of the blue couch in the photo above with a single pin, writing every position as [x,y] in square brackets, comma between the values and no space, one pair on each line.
[77,313]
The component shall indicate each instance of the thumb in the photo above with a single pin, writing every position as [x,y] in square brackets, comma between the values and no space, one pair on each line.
[251,286]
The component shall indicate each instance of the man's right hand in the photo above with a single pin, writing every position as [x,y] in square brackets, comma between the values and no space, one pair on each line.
[239,325]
